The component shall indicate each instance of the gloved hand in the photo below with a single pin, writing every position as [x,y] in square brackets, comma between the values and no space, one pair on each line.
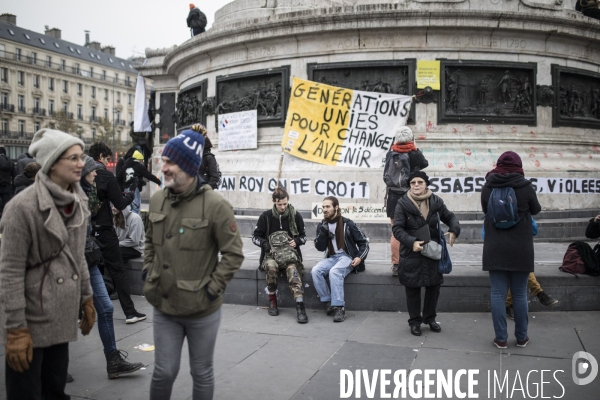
[132,184]
[266,247]
[325,229]
[19,349]
[89,316]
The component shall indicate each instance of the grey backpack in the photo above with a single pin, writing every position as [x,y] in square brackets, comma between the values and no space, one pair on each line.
[396,172]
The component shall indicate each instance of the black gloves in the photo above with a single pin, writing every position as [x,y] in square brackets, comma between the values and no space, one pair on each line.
[266,246]
[132,184]
[325,229]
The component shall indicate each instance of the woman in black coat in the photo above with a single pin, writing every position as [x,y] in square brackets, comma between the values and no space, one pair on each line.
[508,253]
[420,207]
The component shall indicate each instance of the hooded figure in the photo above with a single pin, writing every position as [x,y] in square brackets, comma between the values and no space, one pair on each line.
[196,20]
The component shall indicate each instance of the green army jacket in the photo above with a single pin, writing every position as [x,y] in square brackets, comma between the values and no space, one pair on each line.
[185,233]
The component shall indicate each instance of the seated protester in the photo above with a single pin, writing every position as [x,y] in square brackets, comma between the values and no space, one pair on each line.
[134,167]
[345,250]
[27,178]
[130,230]
[282,217]
[593,229]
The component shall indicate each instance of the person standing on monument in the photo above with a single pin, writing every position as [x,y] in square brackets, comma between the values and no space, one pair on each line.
[196,20]
[189,224]
[283,217]
[402,159]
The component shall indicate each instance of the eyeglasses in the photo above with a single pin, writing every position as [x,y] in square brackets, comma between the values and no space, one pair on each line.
[75,158]
[417,183]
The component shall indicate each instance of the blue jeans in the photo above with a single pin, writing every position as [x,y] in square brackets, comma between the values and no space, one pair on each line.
[137,201]
[337,267]
[104,310]
[500,281]
[169,332]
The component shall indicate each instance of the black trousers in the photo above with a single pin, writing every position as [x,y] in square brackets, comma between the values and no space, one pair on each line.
[113,262]
[46,378]
[6,193]
[413,302]
[129,253]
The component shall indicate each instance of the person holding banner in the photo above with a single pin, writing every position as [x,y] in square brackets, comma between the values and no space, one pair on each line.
[402,159]
[415,223]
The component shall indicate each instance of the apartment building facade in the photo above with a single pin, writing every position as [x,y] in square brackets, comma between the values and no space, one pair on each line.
[45,80]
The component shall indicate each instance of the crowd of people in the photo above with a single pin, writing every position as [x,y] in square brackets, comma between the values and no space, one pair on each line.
[71,218]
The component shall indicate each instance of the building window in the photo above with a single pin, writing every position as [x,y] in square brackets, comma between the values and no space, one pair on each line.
[51,107]
[21,127]
[79,89]
[21,78]
[118,97]
[129,117]
[118,116]
[4,126]
[105,94]
[18,54]
[94,113]
[65,86]
[93,92]
[48,61]
[21,103]
[76,68]
[116,78]
[33,58]
[4,99]
[128,82]
[79,111]
[63,65]
[106,113]
[36,81]
[36,126]
[91,72]
[130,99]
[103,75]
[65,107]
[4,74]
[36,105]
[51,84]
[93,134]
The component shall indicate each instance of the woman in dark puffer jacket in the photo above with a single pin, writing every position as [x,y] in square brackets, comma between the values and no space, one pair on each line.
[420,207]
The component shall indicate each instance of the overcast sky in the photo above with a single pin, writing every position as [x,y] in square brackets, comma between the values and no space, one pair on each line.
[129,25]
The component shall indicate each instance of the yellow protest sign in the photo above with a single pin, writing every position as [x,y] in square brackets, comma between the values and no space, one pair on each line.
[428,74]
[336,126]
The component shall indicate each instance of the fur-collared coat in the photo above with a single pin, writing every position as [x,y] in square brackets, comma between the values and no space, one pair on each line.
[34,230]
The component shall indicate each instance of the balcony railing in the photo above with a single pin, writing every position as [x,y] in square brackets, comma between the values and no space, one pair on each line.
[39,111]
[80,117]
[94,118]
[17,135]
[68,114]
[121,122]
[22,109]
[7,107]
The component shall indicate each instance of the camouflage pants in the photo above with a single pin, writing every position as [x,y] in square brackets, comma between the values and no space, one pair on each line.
[293,276]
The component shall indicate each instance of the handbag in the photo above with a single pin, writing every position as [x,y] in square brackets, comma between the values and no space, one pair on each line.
[445,263]
[431,249]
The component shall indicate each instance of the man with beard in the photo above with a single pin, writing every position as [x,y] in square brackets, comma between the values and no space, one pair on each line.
[345,249]
[282,217]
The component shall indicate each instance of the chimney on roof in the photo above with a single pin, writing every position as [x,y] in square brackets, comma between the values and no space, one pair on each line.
[109,50]
[54,32]
[9,18]
[95,46]
[87,38]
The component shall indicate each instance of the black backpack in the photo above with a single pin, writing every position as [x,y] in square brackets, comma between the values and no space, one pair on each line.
[204,169]
[396,172]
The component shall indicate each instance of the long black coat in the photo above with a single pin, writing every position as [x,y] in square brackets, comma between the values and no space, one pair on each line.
[510,249]
[415,269]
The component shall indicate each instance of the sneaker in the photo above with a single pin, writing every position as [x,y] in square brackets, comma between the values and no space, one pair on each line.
[523,343]
[510,312]
[395,270]
[329,310]
[137,317]
[500,345]
[546,299]
[340,314]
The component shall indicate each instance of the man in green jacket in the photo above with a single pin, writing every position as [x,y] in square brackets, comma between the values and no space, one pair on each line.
[189,224]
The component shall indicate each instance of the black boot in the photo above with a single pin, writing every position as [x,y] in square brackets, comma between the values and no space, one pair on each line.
[302,317]
[273,311]
[116,364]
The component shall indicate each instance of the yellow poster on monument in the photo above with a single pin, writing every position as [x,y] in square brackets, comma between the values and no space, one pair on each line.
[336,126]
[428,74]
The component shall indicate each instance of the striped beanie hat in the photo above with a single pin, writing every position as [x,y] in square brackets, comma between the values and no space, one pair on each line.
[185,150]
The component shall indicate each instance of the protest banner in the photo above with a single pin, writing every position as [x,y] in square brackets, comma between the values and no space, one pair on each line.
[237,131]
[342,127]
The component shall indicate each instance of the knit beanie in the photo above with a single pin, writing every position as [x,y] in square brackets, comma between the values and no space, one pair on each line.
[48,145]
[89,166]
[137,155]
[404,135]
[185,150]
[419,174]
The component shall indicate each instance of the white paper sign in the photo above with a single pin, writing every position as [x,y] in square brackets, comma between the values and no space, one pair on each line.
[237,131]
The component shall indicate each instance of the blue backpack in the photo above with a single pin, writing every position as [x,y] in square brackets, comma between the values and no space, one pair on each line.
[502,208]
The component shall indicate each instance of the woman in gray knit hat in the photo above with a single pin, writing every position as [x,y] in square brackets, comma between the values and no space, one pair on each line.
[43,274]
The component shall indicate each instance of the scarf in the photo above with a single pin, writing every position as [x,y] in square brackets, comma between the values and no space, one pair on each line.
[421,202]
[339,233]
[290,214]
[404,148]
[67,202]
